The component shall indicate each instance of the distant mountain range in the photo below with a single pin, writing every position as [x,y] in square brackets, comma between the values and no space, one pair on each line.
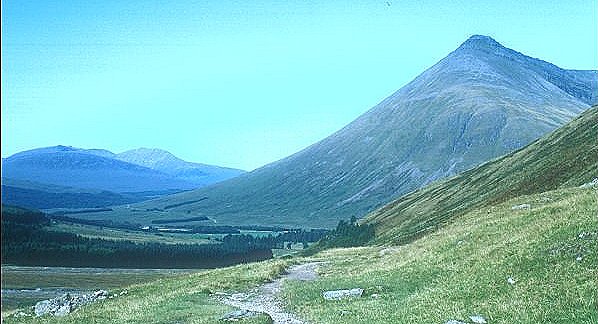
[64,176]
[481,101]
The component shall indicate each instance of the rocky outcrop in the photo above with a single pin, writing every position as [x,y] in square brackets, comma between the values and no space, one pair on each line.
[65,304]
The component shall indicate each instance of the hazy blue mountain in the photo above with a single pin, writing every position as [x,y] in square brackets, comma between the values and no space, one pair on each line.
[164,161]
[87,169]
[481,101]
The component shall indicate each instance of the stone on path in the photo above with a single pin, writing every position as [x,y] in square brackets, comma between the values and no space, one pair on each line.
[238,315]
[522,206]
[478,319]
[343,293]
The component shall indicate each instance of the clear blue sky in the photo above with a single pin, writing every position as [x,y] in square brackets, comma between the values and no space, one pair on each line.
[243,83]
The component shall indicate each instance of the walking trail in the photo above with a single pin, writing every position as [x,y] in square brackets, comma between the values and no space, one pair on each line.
[264,299]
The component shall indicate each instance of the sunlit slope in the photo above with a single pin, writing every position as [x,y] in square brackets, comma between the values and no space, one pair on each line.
[481,101]
[550,253]
[566,157]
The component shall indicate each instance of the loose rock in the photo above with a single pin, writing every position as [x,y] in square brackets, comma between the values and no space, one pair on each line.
[341,294]
[237,315]
[522,206]
[478,319]
[454,322]
[591,184]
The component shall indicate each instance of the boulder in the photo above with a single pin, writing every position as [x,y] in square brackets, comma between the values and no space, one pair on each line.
[342,294]
[65,304]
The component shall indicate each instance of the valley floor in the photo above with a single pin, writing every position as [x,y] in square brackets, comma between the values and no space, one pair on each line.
[533,259]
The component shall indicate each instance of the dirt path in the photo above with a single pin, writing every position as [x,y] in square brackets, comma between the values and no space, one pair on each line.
[264,299]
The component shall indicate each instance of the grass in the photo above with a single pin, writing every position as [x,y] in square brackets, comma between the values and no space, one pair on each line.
[458,271]
[462,270]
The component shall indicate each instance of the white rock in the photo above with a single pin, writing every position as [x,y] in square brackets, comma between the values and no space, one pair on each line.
[511,281]
[341,294]
[478,319]
[522,206]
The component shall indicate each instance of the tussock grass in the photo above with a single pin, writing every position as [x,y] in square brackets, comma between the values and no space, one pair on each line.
[462,269]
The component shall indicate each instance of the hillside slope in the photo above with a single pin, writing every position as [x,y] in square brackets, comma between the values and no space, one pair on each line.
[566,157]
[481,101]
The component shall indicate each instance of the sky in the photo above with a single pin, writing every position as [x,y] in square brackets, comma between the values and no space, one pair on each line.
[243,83]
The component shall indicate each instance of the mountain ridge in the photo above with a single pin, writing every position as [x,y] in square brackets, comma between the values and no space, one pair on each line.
[164,161]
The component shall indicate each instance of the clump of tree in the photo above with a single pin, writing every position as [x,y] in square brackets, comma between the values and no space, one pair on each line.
[347,234]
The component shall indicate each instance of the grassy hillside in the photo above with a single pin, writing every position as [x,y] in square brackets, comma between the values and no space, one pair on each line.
[550,251]
[566,157]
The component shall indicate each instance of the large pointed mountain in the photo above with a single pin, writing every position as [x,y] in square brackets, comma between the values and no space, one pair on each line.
[481,101]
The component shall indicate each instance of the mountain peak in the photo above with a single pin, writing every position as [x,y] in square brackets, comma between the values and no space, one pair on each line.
[480,42]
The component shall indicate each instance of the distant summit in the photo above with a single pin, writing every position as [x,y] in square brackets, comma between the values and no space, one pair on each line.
[481,42]
[164,161]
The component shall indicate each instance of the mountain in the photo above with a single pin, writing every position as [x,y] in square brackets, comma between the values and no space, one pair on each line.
[166,162]
[567,157]
[87,169]
[481,101]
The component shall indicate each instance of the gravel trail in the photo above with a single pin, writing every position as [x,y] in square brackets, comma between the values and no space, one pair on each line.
[264,299]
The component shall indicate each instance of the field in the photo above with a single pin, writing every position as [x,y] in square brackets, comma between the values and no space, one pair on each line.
[549,251]
[92,231]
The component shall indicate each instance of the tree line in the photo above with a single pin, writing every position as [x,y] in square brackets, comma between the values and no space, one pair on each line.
[28,239]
